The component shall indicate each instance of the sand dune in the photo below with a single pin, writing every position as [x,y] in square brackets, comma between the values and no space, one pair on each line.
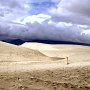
[9,52]
[46,49]
[39,46]
[26,68]
[75,53]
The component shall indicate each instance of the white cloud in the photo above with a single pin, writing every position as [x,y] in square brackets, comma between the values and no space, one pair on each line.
[36,18]
[86,32]
[13,9]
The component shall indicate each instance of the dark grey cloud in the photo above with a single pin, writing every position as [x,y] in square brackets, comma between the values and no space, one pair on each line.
[74,11]
[71,19]
[81,8]
[11,3]
[43,31]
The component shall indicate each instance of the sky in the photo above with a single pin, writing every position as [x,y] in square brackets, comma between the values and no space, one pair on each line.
[59,20]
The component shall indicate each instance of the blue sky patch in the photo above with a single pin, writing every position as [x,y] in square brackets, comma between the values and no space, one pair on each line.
[41,7]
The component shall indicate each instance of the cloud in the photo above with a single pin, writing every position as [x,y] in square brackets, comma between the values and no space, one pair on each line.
[44,31]
[73,11]
[13,9]
[36,1]
[35,18]
[59,20]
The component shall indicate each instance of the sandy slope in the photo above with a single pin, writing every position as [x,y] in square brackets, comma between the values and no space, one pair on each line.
[9,52]
[27,69]
[44,48]
[75,53]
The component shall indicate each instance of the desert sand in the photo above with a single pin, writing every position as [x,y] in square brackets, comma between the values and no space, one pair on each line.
[75,53]
[37,66]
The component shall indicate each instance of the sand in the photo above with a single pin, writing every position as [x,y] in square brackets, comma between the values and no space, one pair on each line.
[30,68]
[75,53]
[9,52]
[46,49]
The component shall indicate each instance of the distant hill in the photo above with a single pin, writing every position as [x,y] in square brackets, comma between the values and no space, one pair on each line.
[14,41]
[19,42]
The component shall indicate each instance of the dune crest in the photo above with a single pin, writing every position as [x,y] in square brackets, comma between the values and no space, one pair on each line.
[46,49]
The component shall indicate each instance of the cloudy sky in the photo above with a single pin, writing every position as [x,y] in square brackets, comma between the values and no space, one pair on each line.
[60,20]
